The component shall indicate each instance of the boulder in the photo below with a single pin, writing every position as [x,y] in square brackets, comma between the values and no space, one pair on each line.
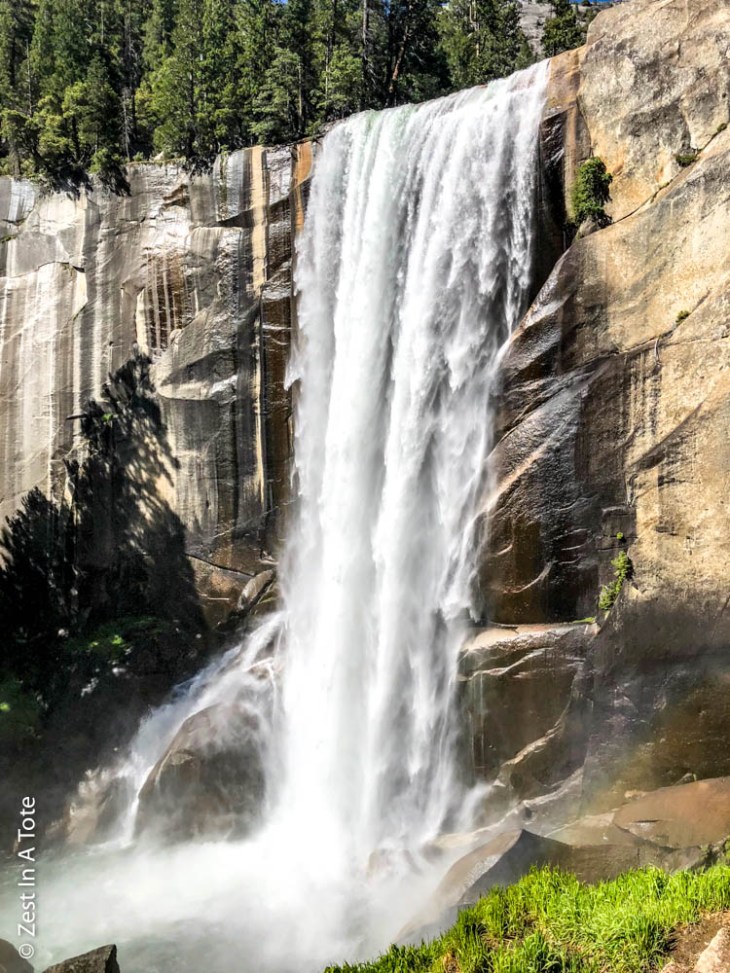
[101,960]
[91,817]
[11,961]
[507,857]
[670,828]
[528,670]
[210,782]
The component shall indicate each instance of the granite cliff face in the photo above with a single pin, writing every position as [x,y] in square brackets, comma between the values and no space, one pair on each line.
[613,413]
[613,421]
[195,273]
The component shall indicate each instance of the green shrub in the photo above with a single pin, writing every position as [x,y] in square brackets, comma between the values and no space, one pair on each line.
[563,31]
[112,641]
[609,592]
[590,192]
[687,158]
[682,316]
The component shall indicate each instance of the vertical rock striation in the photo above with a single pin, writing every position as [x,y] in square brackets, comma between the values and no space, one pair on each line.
[195,273]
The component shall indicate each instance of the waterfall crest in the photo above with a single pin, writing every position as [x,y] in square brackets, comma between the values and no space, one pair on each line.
[414,265]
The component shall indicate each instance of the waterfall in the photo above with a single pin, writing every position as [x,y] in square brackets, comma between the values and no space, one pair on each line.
[414,265]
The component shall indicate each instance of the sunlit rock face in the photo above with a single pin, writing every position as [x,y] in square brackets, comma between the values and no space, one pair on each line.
[195,273]
[614,415]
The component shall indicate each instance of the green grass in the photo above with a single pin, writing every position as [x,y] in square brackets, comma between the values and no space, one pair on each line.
[549,922]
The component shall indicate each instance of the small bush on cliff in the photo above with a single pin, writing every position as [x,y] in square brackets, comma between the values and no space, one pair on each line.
[685,159]
[591,192]
[19,713]
[622,567]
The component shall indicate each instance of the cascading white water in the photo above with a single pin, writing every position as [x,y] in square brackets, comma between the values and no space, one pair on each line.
[414,265]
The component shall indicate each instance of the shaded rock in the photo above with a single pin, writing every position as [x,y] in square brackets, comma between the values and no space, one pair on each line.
[507,857]
[101,960]
[527,670]
[90,818]
[210,782]
[11,961]
[501,861]
[669,828]
[256,590]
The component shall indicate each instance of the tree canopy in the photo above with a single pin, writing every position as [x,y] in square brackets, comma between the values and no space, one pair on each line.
[89,85]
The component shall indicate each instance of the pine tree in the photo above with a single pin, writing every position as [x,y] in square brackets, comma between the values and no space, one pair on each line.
[483,40]
[16,31]
[91,109]
[335,40]
[16,94]
[255,27]
[176,88]
[157,33]
[221,125]
[127,57]
[563,31]
[413,65]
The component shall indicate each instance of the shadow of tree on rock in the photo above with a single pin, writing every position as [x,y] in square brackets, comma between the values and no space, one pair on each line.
[98,601]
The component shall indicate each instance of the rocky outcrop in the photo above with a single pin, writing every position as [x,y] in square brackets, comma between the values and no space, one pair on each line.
[210,780]
[525,670]
[101,960]
[612,426]
[712,956]
[672,828]
[196,273]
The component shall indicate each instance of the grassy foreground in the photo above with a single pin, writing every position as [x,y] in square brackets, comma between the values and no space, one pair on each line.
[549,922]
